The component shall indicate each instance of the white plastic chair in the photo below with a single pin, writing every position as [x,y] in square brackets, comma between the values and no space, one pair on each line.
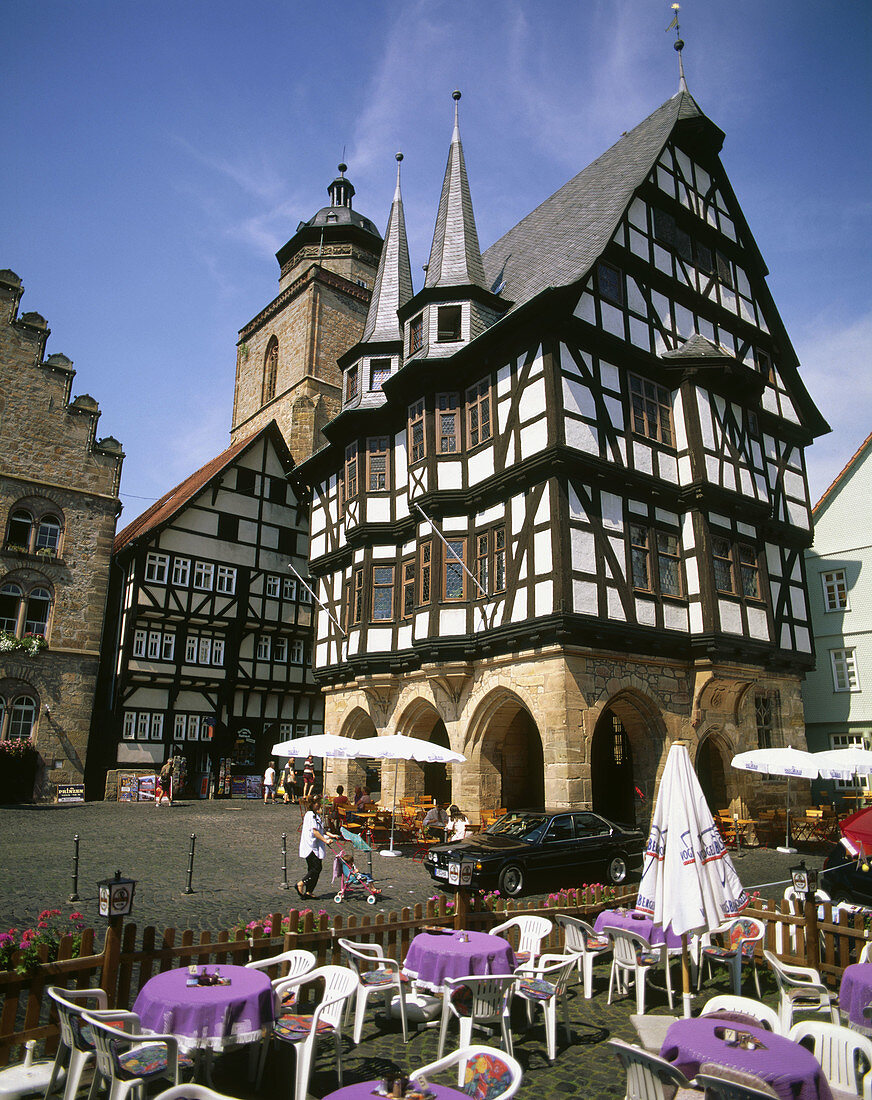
[796,905]
[801,990]
[722,1083]
[191,1092]
[477,1001]
[76,1045]
[532,931]
[127,1059]
[837,1049]
[634,955]
[866,953]
[727,1002]
[377,975]
[291,964]
[544,984]
[496,1074]
[582,940]
[650,1077]
[302,1031]
[740,935]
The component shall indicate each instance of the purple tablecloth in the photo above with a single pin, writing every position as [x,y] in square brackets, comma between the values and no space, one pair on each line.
[433,957]
[855,993]
[639,923]
[208,1017]
[364,1091]
[791,1070]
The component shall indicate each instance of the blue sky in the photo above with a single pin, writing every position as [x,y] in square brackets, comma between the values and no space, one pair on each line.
[156,155]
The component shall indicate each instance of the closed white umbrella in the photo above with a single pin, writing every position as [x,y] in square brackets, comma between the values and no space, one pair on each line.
[688,881]
[397,747]
[792,763]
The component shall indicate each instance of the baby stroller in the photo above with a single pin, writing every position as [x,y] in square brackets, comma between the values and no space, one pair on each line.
[350,878]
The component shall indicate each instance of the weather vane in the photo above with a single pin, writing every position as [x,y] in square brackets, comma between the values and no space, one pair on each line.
[679,46]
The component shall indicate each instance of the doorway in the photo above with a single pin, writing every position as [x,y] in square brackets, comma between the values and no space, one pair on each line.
[611,768]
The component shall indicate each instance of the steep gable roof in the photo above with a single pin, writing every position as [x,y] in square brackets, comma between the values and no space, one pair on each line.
[393,281]
[558,242]
[170,504]
[835,487]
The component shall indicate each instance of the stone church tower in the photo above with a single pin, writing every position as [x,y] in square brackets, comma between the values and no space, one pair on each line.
[286,366]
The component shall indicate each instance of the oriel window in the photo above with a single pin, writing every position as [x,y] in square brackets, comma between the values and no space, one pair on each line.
[416,334]
[351,471]
[417,446]
[749,571]
[382,592]
[352,383]
[426,557]
[357,596]
[448,422]
[454,577]
[408,588]
[722,564]
[652,410]
[377,463]
[478,412]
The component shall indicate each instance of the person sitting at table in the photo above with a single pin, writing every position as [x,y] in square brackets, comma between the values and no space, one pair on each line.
[363,802]
[433,825]
[313,837]
[339,799]
[457,824]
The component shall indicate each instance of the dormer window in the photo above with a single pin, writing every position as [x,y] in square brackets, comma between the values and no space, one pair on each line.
[448,324]
[416,334]
[380,372]
[610,282]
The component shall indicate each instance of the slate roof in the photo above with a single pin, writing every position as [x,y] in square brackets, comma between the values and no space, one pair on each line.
[393,282]
[163,510]
[697,347]
[455,255]
[560,240]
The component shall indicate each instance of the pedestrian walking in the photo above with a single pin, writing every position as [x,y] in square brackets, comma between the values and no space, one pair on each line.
[269,783]
[286,782]
[165,784]
[308,777]
[313,838]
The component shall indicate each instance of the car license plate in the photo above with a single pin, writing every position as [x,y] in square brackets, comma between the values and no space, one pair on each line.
[440,872]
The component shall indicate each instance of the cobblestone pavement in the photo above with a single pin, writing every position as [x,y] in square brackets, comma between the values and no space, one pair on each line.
[237,872]
[237,863]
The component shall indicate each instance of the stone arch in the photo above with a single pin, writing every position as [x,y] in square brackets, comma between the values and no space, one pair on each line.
[627,752]
[357,724]
[714,752]
[421,719]
[505,765]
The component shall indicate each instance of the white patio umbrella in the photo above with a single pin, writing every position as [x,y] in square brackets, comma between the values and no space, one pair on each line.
[321,744]
[688,880]
[844,763]
[792,763]
[396,747]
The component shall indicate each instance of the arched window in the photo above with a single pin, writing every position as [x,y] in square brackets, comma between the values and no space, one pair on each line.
[38,609]
[48,535]
[22,718]
[270,371]
[18,532]
[10,605]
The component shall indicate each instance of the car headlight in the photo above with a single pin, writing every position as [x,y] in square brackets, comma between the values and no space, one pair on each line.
[477,865]
[431,857]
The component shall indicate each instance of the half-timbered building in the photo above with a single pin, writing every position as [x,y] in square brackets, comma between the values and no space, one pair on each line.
[210,634]
[561,517]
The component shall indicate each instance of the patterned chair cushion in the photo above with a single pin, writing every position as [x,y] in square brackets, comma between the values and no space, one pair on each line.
[292,1028]
[487,1077]
[714,951]
[597,943]
[83,1036]
[647,958]
[147,1061]
[376,978]
[461,1000]
[522,957]
[537,988]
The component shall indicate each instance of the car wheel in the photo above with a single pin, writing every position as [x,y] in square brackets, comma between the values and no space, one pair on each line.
[511,881]
[617,870]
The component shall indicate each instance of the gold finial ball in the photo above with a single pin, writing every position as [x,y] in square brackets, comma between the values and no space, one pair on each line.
[455,94]
[399,157]
[679,44]
[343,168]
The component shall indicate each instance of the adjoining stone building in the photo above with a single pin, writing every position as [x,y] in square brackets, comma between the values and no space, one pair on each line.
[566,526]
[58,506]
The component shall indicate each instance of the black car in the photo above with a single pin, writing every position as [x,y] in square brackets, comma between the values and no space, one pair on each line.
[551,848]
[844,878]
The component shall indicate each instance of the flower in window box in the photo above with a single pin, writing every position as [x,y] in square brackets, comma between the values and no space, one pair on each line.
[45,552]
[14,548]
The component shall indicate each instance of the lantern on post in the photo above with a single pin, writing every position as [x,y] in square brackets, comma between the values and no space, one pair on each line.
[115,896]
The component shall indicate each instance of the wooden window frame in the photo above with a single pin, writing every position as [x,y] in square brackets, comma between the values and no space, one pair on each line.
[835,588]
[604,284]
[378,451]
[425,560]
[846,675]
[202,570]
[447,413]
[748,564]
[449,324]
[416,334]
[158,565]
[500,558]
[722,555]
[417,448]
[482,564]
[350,478]
[382,366]
[384,576]
[352,383]
[490,562]
[479,413]
[409,587]
[449,562]
[181,572]
[651,410]
[357,595]
[225,580]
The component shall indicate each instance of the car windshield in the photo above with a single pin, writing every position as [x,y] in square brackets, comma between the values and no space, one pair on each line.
[519,826]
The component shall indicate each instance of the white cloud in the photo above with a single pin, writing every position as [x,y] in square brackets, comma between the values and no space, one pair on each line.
[836,370]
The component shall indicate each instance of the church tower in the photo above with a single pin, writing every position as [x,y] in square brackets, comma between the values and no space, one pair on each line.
[286,366]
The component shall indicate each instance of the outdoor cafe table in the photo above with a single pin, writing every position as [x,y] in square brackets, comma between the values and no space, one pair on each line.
[788,1068]
[208,1017]
[855,993]
[640,923]
[435,956]
[367,1089]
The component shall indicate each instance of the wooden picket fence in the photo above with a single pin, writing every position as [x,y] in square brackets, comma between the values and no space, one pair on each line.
[121,967]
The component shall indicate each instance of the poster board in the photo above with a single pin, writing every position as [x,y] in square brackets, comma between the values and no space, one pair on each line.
[146,788]
[71,792]
[204,786]
[238,786]
[254,786]
[128,787]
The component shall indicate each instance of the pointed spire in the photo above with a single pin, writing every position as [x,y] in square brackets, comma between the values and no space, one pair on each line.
[678,47]
[455,256]
[393,283]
